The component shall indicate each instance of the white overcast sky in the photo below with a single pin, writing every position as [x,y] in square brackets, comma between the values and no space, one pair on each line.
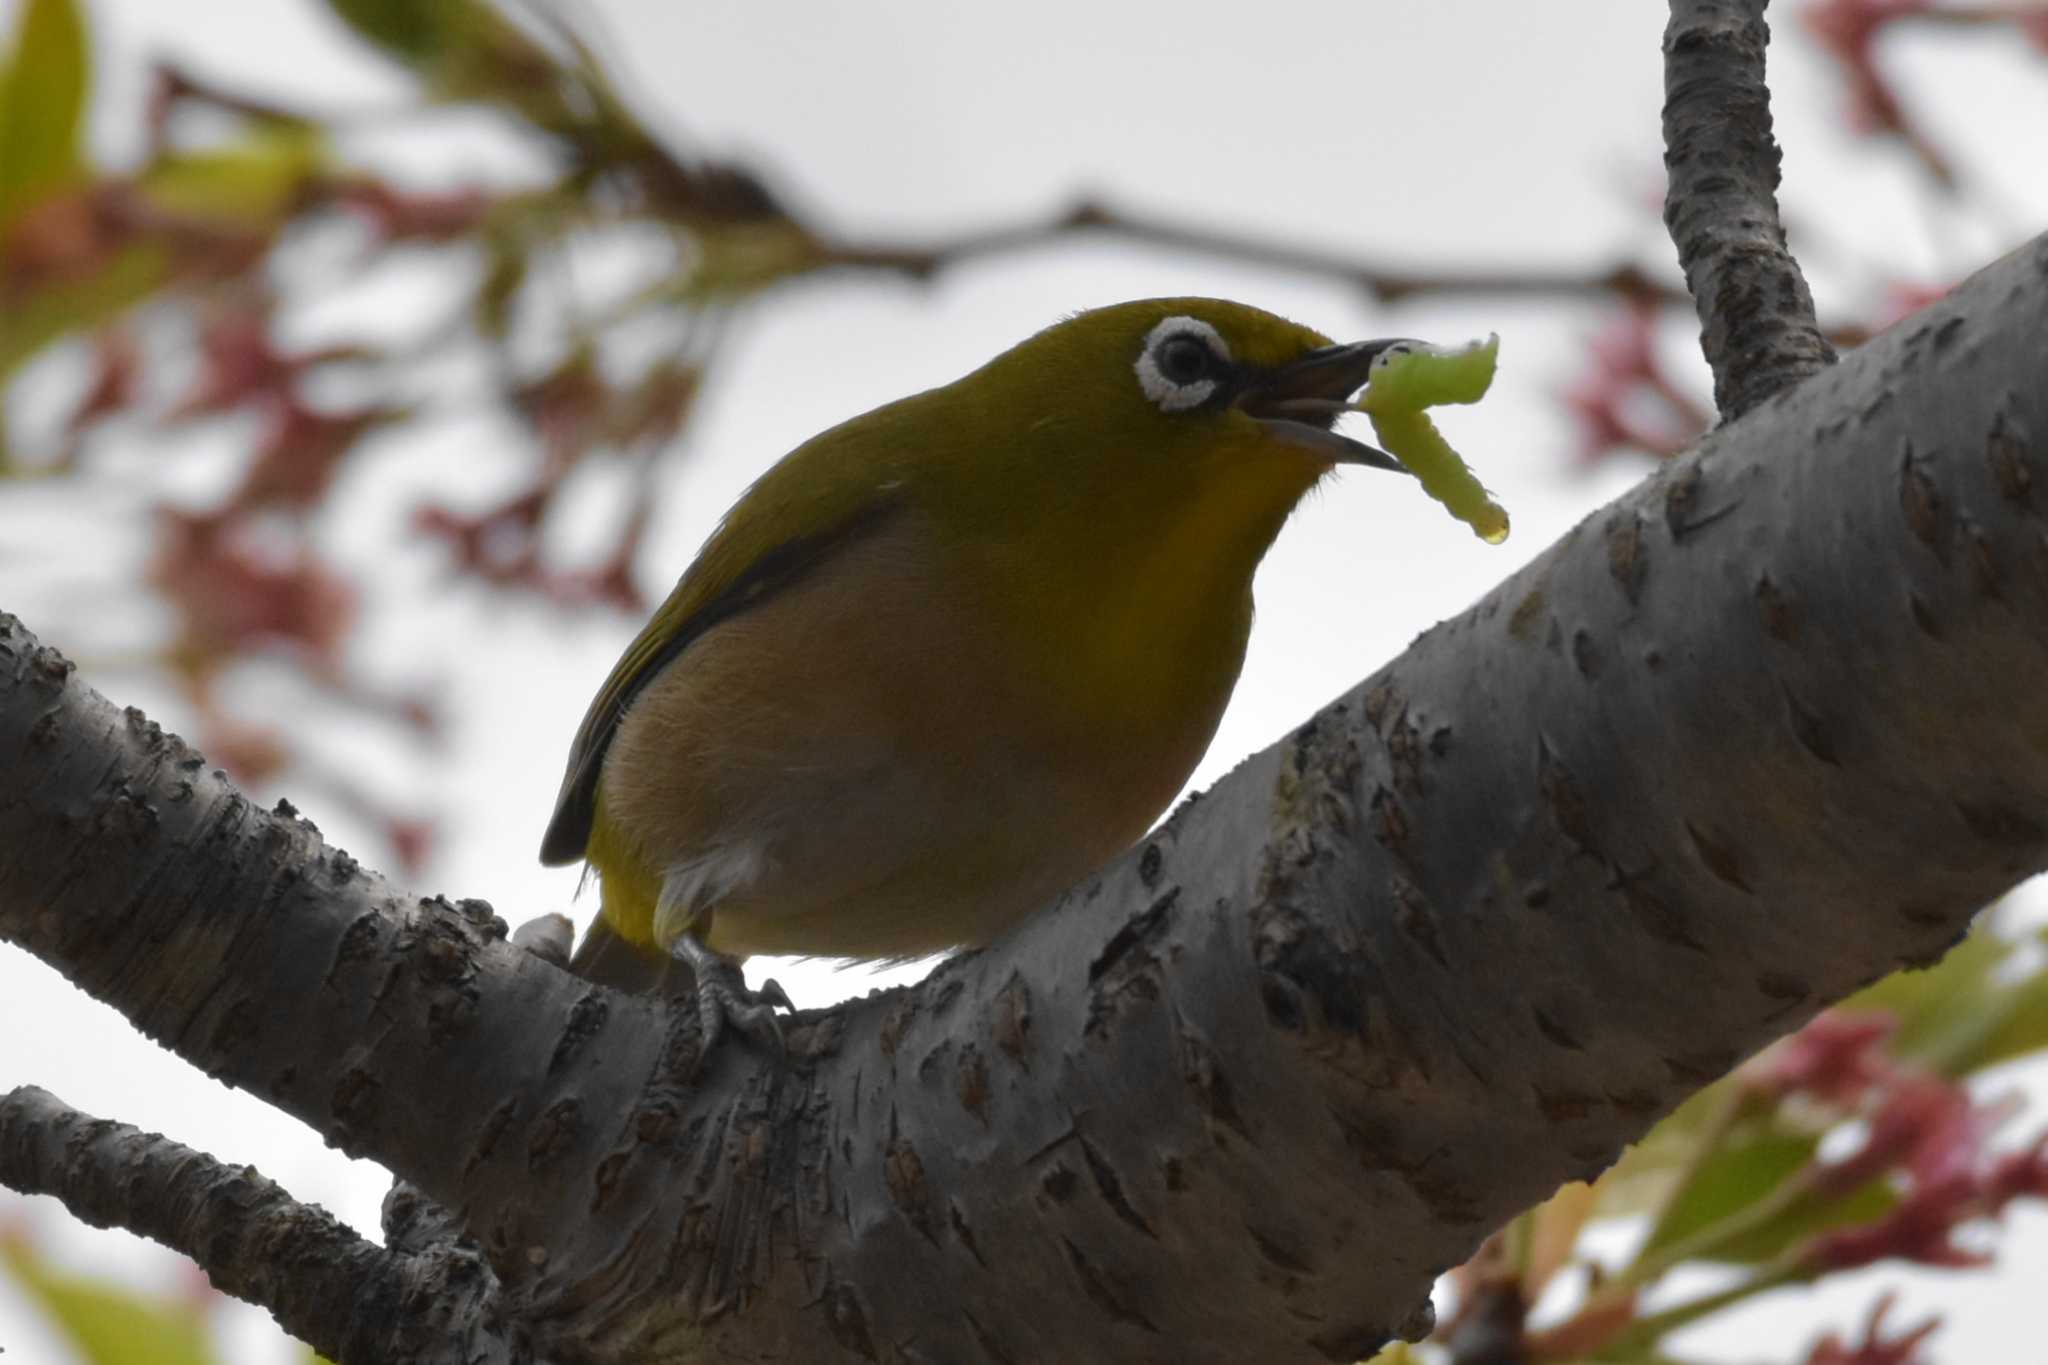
[1446,133]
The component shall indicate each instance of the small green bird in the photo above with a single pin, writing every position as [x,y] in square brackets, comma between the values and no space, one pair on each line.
[945,659]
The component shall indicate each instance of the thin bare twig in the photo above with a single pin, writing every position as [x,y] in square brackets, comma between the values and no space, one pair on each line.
[1757,322]
[1385,283]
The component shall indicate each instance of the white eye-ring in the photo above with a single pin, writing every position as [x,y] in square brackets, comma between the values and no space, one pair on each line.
[1181,363]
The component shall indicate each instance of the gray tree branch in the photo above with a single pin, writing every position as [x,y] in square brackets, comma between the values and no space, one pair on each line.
[1720,205]
[347,1297]
[1770,725]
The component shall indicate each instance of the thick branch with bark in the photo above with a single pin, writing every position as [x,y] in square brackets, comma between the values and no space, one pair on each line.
[1721,207]
[274,963]
[1769,726]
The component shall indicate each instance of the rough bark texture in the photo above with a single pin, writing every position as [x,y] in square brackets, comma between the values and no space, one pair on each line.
[328,1287]
[1757,322]
[1770,725]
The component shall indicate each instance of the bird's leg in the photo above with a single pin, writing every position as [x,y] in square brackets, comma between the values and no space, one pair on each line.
[682,915]
[722,996]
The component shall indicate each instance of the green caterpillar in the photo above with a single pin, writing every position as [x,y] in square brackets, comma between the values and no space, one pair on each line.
[1411,377]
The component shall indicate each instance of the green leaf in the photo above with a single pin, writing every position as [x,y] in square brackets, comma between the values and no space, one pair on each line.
[1958,1017]
[417,32]
[29,324]
[109,1325]
[2021,1026]
[42,101]
[505,269]
[1728,1190]
[1745,1167]
[1932,1003]
[254,182]
[1809,1217]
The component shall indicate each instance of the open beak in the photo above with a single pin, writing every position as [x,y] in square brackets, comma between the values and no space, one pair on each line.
[1300,402]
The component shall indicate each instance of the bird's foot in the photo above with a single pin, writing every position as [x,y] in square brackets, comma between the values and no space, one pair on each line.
[723,999]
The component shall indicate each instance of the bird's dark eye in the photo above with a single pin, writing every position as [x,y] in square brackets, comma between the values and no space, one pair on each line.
[1182,359]
[1182,364]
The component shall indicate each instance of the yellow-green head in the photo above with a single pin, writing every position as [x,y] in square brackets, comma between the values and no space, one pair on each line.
[1148,398]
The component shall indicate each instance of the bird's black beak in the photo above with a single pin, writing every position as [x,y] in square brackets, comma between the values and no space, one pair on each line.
[1300,402]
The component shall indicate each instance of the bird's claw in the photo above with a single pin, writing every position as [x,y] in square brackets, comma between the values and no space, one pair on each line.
[723,999]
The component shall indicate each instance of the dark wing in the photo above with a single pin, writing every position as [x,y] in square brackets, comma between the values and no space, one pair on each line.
[717,587]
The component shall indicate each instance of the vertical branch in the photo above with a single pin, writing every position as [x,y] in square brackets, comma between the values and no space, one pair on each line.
[1757,324]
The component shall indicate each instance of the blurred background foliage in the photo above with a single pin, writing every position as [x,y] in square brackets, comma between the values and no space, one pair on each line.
[105,1325]
[159,294]
[1856,1141]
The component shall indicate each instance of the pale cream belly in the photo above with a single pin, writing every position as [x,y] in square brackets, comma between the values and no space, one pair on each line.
[856,769]
[905,862]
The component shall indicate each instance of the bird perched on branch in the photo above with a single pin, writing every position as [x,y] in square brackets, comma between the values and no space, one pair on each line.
[945,659]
